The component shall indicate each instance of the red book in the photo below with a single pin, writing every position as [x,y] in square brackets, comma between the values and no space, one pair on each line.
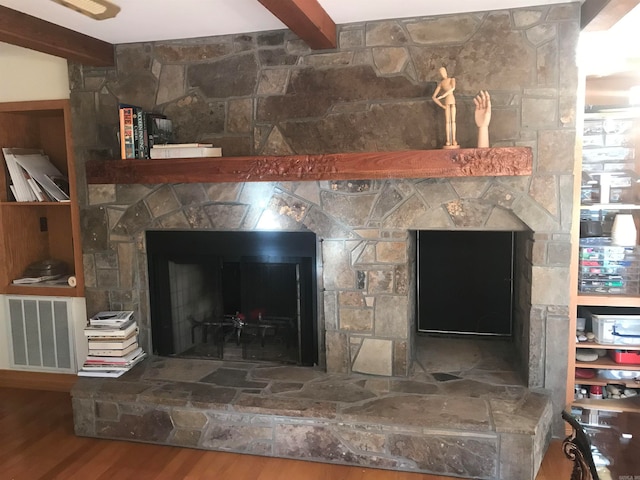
[127,145]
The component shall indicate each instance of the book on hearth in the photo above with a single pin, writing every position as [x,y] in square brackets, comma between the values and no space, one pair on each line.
[112,343]
[102,331]
[115,318]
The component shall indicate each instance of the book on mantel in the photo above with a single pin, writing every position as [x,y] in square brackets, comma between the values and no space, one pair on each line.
[185,150]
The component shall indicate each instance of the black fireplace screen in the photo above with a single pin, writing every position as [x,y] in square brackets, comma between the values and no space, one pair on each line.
[234,295]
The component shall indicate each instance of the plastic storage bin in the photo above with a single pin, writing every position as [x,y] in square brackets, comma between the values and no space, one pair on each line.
[609,269]
[616,329]
[628,357]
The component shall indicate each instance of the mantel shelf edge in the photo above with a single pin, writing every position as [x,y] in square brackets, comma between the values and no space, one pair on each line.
[469,162]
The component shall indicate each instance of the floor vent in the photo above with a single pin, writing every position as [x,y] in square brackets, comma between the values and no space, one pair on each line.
[41,336]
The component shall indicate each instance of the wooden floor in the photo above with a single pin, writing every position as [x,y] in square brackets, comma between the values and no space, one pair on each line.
[38,443]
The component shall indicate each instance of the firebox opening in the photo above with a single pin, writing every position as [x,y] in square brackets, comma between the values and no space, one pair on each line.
[234,295]
[465,282]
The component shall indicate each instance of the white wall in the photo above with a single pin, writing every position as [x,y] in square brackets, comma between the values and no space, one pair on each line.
[29,75]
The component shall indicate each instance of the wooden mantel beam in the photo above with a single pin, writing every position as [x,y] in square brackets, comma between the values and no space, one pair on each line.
[307,19]
[600,15]
[23,30]
[468,162]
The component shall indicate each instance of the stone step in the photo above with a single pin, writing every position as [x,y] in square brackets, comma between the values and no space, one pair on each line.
[404,424]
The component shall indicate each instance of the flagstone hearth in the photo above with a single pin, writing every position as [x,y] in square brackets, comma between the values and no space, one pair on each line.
[472,418]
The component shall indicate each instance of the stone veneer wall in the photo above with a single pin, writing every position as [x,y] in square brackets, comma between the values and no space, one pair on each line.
[267,93]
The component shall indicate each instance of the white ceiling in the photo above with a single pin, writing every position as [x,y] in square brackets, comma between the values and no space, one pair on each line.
[148,20]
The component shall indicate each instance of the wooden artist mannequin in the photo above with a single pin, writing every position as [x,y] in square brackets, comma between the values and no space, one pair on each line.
[447,102]
[483,117]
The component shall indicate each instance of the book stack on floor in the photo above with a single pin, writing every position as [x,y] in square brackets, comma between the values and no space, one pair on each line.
[113,344]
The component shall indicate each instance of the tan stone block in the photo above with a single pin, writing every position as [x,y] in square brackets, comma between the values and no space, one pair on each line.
[539,112]
[385,33]
[391,313]
[391,252]
[273,81]
[351,38]
[526,18]
[556,151]
[544,190]
[351,299]
[162,201]
[374,357]
[337,352]
[355,320]
[380,281]
[127,264]
[239,115]
[550,285]
[449,29]
[329,59]
[390,60]
[101,194]
[188,419]
[171,83]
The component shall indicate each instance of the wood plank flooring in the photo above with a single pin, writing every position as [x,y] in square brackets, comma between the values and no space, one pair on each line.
[38,443]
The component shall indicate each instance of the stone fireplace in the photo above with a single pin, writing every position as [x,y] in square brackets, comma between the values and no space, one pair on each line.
[371,94]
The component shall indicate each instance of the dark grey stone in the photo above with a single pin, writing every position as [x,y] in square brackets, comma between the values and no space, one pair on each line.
[276,57]
[311,92]
[94,227]
[409,386]
[291,407]
[214,81]
[444,412]
[333,391]
[316,442]
[444,377]
[154,426]
[351,210]
[134,219]
[196,119]
[188,53]
[449,455]
[270,39]
[230,377]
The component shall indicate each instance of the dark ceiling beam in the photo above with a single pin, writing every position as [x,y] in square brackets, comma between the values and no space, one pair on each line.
[307,19]
[23,30]
[600,15]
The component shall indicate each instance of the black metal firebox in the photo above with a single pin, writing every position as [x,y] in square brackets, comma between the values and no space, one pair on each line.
[234,295]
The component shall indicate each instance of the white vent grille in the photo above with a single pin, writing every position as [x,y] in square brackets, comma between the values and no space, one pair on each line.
[41,336]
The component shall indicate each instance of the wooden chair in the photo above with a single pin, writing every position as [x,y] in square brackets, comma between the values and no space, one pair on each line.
[577,448]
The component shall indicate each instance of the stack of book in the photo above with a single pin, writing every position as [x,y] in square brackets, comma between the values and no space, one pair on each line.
[140,131]
[113,344]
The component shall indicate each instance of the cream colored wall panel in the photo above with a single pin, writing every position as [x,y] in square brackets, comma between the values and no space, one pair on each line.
[30,75]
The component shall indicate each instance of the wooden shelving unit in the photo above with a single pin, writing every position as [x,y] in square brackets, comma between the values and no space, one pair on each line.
[613,405]
[35,231]
[596,138]
[608,300]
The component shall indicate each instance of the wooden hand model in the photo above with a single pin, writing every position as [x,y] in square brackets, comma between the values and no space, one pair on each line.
[483,117]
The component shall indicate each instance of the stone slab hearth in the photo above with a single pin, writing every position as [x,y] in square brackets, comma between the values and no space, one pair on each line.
[467,416]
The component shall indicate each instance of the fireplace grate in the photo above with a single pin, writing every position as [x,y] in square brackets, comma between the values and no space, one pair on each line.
[40,334]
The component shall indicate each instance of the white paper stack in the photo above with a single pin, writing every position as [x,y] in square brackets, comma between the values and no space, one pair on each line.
[34,178]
